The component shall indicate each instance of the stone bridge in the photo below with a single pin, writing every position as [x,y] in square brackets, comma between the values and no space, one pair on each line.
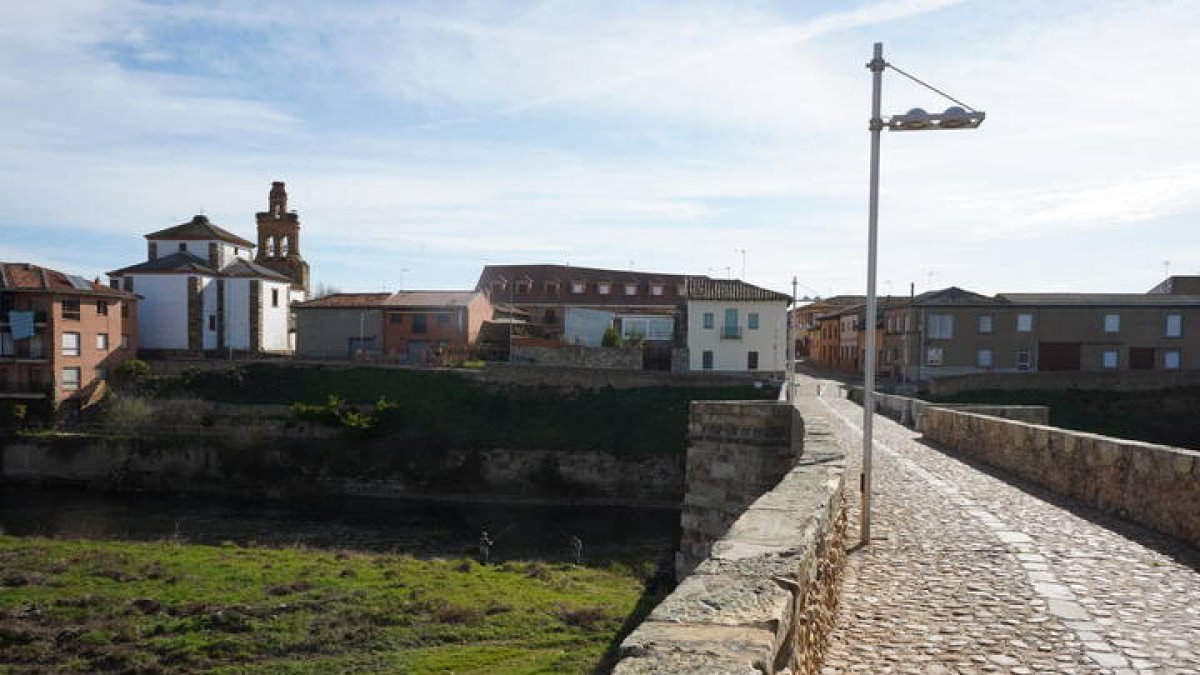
[1077,555]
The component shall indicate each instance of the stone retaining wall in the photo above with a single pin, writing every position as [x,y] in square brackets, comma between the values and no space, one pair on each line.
[577,356]
[763,599]
[1155,485]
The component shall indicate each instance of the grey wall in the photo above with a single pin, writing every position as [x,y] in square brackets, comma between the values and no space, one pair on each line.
[324,333]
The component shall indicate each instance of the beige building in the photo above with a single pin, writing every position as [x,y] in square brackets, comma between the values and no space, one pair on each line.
[955,332]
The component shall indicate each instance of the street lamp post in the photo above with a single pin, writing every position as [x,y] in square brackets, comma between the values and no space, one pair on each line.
[961,116]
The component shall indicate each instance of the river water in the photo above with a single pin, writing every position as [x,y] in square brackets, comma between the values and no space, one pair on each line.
[419,528]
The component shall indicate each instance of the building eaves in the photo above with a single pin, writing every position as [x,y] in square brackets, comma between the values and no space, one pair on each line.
[1100,300]
[199,228]
[181,261]
[346,301]
[707,288]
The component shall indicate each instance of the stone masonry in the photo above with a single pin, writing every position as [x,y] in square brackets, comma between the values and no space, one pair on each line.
[762,600]
[969,572]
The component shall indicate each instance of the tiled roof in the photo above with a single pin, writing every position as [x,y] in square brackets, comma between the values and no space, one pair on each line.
[955,296]
[29,277]
[200,228]
[1100,299]
[706,288]
[431,299]
[188,262]
[552,284]
[346,301]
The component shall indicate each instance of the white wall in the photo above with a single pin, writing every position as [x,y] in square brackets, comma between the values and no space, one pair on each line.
[237,313]
[209,309]
[769,340]
[275,319]
[226,252]
[162,312]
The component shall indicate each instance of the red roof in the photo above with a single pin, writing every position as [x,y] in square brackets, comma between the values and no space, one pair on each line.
[27,277]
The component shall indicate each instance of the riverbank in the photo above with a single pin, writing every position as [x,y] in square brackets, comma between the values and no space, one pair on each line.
[79,605]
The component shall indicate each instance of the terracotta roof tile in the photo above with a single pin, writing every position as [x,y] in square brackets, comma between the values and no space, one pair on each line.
[200,228]
[29,277]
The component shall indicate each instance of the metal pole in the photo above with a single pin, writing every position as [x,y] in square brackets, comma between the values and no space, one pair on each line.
[876,66]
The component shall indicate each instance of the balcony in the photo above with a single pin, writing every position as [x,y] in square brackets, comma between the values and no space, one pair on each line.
[731,332]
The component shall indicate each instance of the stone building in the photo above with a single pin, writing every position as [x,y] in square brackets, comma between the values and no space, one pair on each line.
[279,242]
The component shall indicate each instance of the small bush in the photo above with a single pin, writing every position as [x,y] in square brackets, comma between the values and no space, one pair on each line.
[128,414]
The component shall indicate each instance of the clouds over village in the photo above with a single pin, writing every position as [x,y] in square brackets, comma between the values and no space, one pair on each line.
[438,137]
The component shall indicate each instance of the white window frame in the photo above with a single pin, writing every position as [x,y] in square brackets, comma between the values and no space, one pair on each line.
[934,356]
[102,341]
[70,344]
[1174,321]
[1172,360]
[986,324]
[1110,359]
[984,358]
[631,289]
[751,320]
[67,383]
[1025,363]
[1024,323]
[708,321]
[1112,323]
[657,289]
[604,287]
[941,326]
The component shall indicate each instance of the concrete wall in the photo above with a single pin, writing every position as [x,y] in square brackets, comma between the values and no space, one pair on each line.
[1059,381]
[763,600]
[1155,485]
[325,332]
[617,358]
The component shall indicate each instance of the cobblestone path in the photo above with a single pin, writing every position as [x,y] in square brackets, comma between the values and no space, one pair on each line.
[968,573]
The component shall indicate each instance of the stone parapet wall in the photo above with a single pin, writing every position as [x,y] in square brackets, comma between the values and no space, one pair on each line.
[911,411]
[617,358]
[1154,485]
[763,599]
[1129,380]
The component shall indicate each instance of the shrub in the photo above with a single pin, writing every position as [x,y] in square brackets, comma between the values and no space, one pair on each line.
[128,414]
[611,337]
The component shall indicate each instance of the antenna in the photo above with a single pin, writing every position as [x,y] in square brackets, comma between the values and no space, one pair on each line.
[1166,269]
[743,252]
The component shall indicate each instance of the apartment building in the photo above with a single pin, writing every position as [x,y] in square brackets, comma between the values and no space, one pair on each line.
[60,335]
[953,332]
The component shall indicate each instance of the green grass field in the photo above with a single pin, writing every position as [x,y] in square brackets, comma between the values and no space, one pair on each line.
[86,606]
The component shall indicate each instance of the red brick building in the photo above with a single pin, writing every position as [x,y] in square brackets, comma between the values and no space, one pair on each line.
[60,334]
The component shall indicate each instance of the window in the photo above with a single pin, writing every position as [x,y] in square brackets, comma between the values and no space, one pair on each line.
[1109,358]
[604,287]
[124,310]
[1024,323]
[128,281]
[101,373]
[550,287]
[274,297]
[524,285]
[653,328]
[6,344]
[212,322]
[70,308]
[941,326]
[708,321]
[35,348]
[1112,323]
[1171,359]
[933,356]
[419,323]
[983,358]
[153,249]
[124,340]
[578,287]
[102,307]
[499,285]
[70,344]
[443,319]
[706,359]
[631,289]
[70,379]
[752,321]
[985,324]
[1022,360]
[656,289]
[730,328]
[1174,325]
[182,246]
[102,341]
[752,361]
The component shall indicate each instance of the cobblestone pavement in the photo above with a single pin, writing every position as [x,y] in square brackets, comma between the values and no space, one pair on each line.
[968,573]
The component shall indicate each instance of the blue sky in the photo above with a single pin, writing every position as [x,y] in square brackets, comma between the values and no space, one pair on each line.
[420,141]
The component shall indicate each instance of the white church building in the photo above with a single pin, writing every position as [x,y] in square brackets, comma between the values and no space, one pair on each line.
[202,289]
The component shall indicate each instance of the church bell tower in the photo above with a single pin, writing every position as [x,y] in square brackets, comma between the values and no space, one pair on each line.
[279,239]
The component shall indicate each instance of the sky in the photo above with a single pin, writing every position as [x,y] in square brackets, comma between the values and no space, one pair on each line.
[422,140]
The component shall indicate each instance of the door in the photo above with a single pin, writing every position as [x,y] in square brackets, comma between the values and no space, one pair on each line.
[1059,355]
